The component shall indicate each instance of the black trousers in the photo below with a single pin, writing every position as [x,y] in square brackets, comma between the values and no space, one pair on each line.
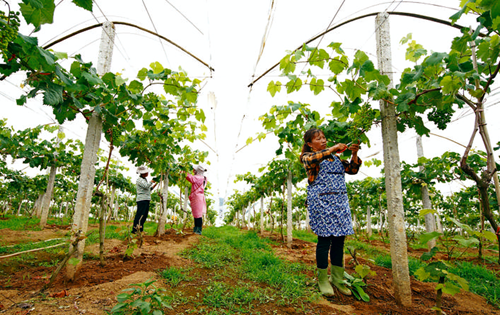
[141,215]
[332,244]
[198,222]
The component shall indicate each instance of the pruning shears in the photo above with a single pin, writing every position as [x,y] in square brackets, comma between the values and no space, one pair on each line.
[347,145]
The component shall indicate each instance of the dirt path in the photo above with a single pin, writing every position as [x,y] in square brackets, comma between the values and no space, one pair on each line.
[380,289]
[96,287]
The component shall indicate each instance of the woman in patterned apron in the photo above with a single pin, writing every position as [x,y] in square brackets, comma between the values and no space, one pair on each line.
[328,204]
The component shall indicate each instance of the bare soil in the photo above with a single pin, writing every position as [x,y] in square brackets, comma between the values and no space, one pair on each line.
[96,287]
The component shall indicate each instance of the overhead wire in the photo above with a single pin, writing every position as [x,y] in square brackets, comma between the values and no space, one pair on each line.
[154,27]
[134,26]
[208,35]
[267,31]
[264,38]
[185,17]
[377,27]
[329,25]
[126,58]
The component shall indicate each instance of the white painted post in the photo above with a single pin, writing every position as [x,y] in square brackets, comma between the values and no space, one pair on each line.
[439,224]
[50,188]
[289,225]
[430,222]
[308,227]
[38,205]
[92,141]
[261,215]
[164,210]
[369,221]
[186,197]
[19,208]
[400,271]
[111,204]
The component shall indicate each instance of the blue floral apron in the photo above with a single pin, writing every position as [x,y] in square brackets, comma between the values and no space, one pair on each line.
[327,201]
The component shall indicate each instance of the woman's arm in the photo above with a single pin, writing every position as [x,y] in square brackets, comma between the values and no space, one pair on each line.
[316,157]
[352,167]
[143,183]
[354,148]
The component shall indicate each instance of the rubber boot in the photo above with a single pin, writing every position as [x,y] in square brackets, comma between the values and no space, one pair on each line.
[200,229]
[337,279]
[324,285]
[197,230]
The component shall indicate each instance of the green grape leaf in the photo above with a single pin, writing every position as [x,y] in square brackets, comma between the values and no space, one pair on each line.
[424,238]
[53,94]
[427,256]
[142,74]
[461,281]
[200,115]
[272,87]
[286,65]
[336,65]
[450,288]
[129,126]
[422,213]
[156,67]
[434,59]
[92,79]
[450,84]
[421,274]
[85,4]
[38,12]
[317,86]
[490,236]
[136,86]
[466,242]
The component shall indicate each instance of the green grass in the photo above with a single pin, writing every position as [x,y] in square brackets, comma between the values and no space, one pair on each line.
[481,280]
[174,276]
[112,231]
[234,254]
[5,250]
[16,223]
[305,236]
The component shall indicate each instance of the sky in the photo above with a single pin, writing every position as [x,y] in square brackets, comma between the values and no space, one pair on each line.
[240,40]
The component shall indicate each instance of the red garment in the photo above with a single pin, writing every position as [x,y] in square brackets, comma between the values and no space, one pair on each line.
[197,196]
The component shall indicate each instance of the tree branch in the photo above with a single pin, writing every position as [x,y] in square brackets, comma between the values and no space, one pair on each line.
[490,81]
[422,93]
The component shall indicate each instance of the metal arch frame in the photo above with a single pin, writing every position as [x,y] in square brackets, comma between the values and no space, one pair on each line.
[418,16]
[131,25]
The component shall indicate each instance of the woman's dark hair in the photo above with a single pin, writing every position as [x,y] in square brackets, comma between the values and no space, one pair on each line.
[308,137]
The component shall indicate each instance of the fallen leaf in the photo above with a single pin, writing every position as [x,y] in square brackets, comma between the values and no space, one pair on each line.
[24,305]
[60,294]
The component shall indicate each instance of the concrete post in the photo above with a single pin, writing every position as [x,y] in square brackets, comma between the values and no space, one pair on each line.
[92,142]
[400,271]
[430,222]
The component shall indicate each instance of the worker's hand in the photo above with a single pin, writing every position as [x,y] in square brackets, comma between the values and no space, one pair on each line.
[354,147]
[339,148]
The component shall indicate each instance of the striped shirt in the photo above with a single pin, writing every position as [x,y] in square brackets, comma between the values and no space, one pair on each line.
[311,162]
